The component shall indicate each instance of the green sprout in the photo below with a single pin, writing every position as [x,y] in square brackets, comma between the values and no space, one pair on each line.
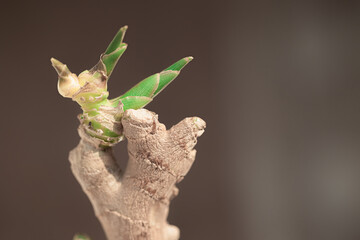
[81,237]
[102,116]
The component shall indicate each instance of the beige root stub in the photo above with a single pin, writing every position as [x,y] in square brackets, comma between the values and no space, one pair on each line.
[134,204]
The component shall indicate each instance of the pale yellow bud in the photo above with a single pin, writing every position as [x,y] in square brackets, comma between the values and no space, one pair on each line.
[68,83]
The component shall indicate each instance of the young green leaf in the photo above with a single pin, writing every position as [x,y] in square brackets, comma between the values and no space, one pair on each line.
[146,87]
[112,53]
[111,59]
[135,102]
[117,40]
[153,85]
[180,64]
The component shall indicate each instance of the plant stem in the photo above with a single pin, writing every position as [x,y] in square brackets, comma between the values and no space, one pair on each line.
[134,204]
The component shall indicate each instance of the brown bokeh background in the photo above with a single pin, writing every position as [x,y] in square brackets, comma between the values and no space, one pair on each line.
[276,81]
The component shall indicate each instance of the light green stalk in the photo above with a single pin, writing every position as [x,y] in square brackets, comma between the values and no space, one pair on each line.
[101,116]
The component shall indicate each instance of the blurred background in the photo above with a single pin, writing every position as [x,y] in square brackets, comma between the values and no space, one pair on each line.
[276,81]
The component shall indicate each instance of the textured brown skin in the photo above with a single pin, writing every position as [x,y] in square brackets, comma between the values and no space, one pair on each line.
[134,204]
